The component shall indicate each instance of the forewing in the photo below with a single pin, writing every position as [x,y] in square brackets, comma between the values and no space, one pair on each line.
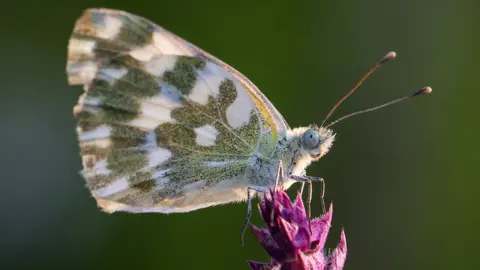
[159,117]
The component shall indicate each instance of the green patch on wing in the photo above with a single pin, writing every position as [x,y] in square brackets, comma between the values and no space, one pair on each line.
[184,74]
[232,147]
[120,103]
[180,138]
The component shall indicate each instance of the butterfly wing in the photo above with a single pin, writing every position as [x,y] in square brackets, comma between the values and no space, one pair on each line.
[162,125]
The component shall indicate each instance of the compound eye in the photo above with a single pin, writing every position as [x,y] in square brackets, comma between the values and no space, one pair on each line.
[311,139]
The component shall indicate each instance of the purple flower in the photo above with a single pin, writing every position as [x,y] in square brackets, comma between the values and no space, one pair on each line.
[288,239]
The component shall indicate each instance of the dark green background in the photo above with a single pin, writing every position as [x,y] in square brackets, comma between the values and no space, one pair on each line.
[404,180]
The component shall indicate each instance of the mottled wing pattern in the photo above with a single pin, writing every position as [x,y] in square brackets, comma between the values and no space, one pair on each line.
[160,119]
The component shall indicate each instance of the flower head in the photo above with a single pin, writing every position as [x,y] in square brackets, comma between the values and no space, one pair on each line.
[288,239]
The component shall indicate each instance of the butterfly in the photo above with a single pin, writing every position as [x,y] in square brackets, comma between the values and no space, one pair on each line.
[165,127]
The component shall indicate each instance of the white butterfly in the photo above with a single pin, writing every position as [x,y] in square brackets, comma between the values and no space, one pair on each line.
[165,127]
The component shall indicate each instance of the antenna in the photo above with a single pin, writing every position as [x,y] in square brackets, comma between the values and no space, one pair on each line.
[424,91]
[389,56]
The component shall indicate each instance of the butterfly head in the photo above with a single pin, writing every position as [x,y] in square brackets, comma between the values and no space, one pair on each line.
[317,141]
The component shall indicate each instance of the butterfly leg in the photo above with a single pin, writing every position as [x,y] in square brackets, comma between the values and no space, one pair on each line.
[249,207]
[302,188]
[311,179]
[280,175]
[309,199]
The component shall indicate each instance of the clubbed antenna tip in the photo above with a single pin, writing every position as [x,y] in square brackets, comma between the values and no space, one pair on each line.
[424,91]
[388,57]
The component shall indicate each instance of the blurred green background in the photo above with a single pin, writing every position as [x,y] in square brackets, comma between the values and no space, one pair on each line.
[404,180]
